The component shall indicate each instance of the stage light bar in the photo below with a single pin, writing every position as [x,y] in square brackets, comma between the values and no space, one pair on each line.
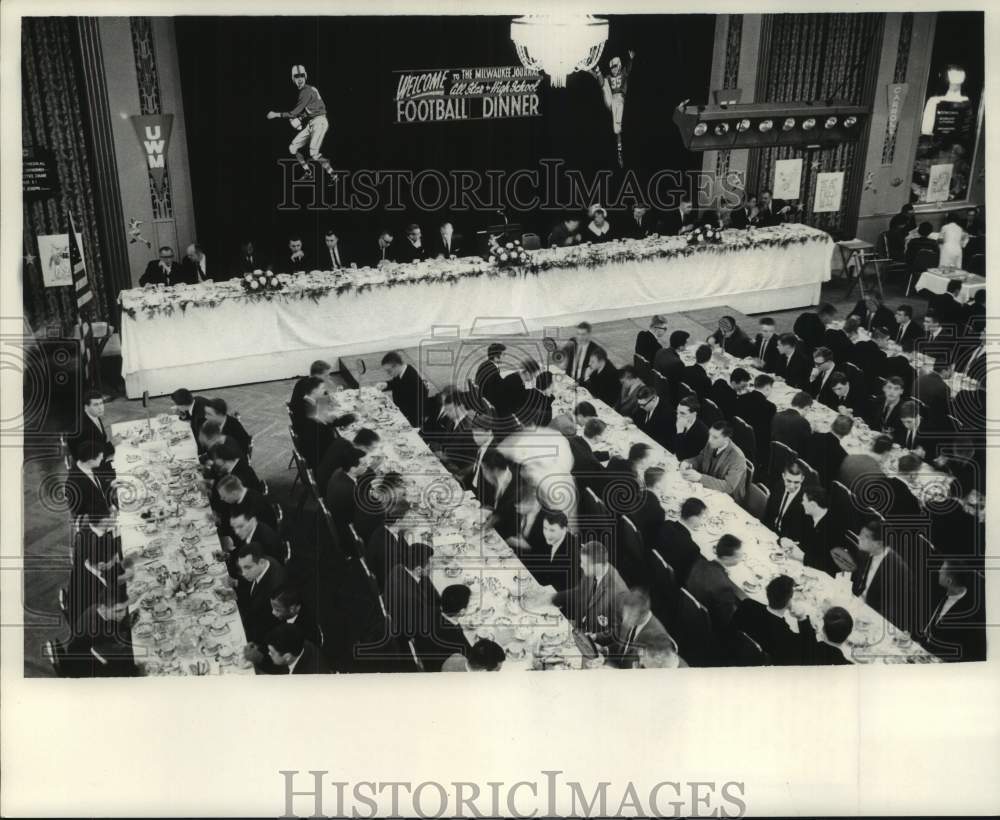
[706,128]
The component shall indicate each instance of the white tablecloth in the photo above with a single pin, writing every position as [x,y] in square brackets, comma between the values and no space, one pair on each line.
[936,281]
[237,341]
[874,640]
[465,551]
[195,622]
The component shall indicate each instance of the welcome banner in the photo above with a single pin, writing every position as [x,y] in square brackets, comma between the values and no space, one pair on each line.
[153,131]
[450,94]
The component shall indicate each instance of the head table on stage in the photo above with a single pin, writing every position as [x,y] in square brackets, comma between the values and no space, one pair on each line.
[223,333]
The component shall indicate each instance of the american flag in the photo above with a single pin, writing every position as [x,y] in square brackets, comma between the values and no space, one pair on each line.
[83,293]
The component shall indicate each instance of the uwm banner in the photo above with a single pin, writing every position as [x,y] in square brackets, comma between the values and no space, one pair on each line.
[153,131]
[486,93]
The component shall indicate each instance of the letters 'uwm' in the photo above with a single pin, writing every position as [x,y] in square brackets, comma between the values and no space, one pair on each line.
[154,146]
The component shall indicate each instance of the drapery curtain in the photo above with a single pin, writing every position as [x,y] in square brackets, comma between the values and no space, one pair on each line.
[52,118]
[817,57]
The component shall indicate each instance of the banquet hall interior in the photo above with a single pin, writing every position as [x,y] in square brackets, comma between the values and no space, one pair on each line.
[480,343]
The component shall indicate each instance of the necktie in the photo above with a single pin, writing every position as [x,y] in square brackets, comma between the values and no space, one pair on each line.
[763,344]
[936,616]
[910,439]
[783,509]
[899,335]
[629,640]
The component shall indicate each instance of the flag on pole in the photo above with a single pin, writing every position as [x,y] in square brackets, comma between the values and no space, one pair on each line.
[83,293]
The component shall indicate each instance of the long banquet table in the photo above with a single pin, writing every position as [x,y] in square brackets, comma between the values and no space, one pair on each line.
[187,621]
[466,550]
[216,334]
[874,639]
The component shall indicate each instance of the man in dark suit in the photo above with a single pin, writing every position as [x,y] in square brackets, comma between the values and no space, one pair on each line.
[690,433]
[919,435]
[87,490]
[922,242]
[907,332]
[931,389]
[770,211]
[848,400]
[293,654]
[950,312]
[225,458]
[882,579]
[449,245]
[194,266]
[448,637]
[709,582]
[810,326]
[233,497]
[638,630]
[820,532]
[248,530]
[229,426]
[339,451]
[410,598]
[675,542]
[825,452]
[628,399]
[784,513]
[587,469]
[731,338]
[827,649]
[667,361]
[91,429]
[790,427]
[488,379]
[602,378]
[332,257]
[640,224]
[409,392]
[756,409]
[343,494]
[768,624]
[695,376]
[649,342]
[260,577]
[654,417]
[741,217]
[555,561]
[189,407]
[885,417]
[650,516]
[680,220]
[578,351]
[874,315]
[161,271]
[765,346]
[820,378]
[382,250]
[838,340]
[295,258]
[791,365]
[287,607]
[956,629]
[411,247]
[249,259]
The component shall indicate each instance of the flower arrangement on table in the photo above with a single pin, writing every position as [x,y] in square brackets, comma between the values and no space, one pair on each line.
[705,235]
[508,255]
[260,281]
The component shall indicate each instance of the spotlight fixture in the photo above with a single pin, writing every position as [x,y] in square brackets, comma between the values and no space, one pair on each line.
[759,125]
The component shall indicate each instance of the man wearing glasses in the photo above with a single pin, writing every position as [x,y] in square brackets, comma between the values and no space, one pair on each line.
[161,271]
[309,119]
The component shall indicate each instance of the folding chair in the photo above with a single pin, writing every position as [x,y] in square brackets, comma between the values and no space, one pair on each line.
[843,506]
[694,631]
[664,591]
[64,452]
[781,456]
[742,650]
[757,497]
[709,413]
[684,390]
[660,384]
[744,438]
[357,545]
[629,553]
[811,473]
[923,259]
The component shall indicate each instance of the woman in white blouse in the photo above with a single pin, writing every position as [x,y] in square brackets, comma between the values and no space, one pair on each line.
[952,238]
[599,229]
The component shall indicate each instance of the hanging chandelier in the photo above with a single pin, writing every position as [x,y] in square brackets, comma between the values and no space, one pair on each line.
[559,44]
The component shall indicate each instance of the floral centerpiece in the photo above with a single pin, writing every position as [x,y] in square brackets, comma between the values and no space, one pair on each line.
[705,235]
[509,255]
[260,281]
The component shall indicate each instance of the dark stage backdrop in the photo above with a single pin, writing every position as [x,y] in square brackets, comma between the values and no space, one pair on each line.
[235,69]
